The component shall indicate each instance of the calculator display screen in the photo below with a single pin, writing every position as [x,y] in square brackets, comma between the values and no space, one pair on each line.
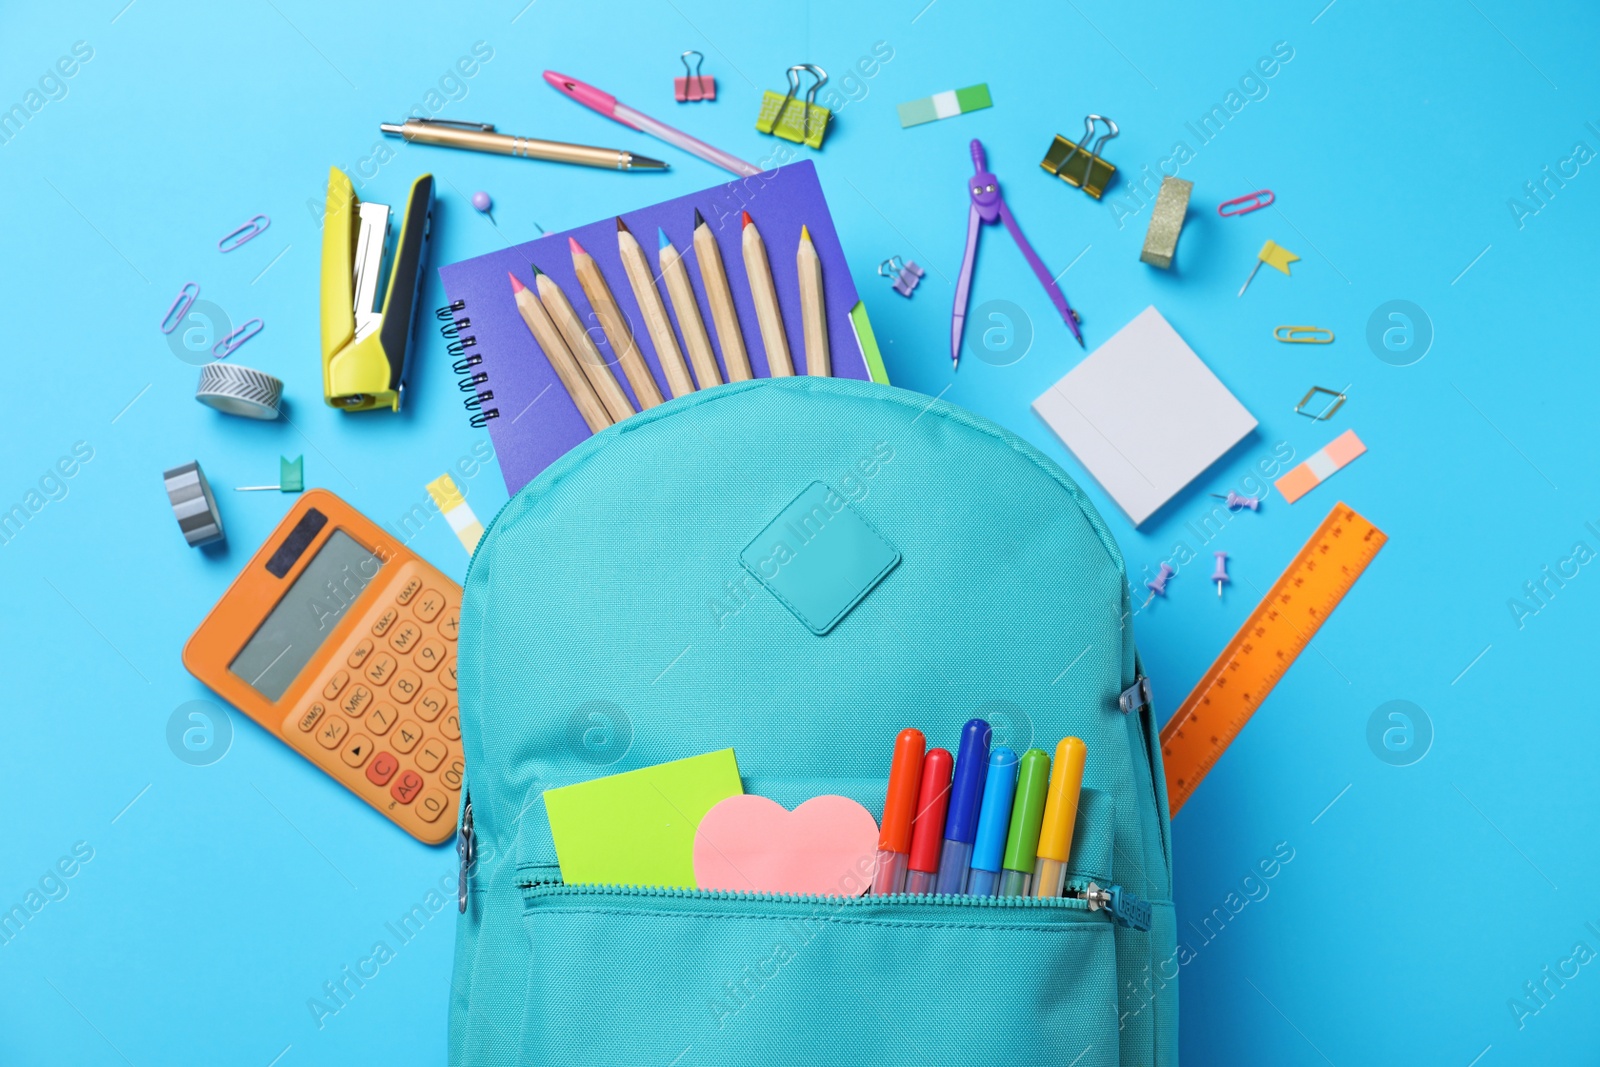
[311,609]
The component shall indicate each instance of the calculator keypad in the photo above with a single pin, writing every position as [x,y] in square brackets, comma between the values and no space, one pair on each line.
[384,714]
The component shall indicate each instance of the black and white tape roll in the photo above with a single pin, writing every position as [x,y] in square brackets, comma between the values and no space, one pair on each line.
[238,390]
[193,504]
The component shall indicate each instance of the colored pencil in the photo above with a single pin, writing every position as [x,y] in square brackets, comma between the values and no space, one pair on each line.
[813,308]
[582,346]
[724,318]
[560,356]
[765,295]
[690,324]
[645,390]
[642,280]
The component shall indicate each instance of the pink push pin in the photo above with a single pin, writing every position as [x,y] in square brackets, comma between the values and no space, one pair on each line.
[1235,501]
[1220,575]
[1158,584]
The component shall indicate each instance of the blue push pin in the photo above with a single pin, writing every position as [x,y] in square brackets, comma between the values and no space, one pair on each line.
[1220,575]
[481,201]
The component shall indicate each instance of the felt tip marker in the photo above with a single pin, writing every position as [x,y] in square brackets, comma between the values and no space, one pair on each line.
[1060,814]
[927,829]
[1027,811]
[966,794]
[899,809]
[994,818]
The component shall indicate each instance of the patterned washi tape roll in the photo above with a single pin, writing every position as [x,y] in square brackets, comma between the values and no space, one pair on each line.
[238,390]
[193,505]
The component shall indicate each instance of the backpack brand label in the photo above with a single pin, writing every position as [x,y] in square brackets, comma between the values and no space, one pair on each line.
[819,557]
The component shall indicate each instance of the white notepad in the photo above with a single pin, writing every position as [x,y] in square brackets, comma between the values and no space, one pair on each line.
[1144,415]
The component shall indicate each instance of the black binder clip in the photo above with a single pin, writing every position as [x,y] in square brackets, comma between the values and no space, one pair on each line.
[1077,163]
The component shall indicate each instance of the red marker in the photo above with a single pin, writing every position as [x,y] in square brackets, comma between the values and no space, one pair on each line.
[927,831]
[899,808]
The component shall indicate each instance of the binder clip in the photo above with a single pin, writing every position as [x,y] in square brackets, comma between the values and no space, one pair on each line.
[806,125]
[1080,165]
[291,478]
[903,273]
[693,87]
[366,344]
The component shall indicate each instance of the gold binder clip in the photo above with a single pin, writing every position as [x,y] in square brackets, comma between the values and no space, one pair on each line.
[806,126]
[1303,335]
[1080,165]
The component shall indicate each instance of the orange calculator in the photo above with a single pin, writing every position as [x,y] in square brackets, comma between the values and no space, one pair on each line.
[341,641]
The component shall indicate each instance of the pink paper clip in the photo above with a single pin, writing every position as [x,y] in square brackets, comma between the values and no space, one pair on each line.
[243,233]
[695,87]
[180,306]
[226,347]
[1250,202]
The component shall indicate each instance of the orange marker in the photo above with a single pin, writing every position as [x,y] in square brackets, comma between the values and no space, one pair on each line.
[1060,816]
[899,808]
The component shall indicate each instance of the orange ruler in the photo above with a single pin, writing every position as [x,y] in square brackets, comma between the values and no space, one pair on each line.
[1277,631]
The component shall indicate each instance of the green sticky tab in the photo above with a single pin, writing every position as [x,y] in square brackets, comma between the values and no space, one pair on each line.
[916,112]
[637,828]
[292,474]
[973,97]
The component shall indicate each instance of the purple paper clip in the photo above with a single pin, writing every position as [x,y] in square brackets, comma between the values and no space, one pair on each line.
[243,233]
[904,274]
[180,306]
[226,347]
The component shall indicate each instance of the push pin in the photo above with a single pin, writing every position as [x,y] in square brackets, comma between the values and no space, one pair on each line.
[1234,501]
[905,274]
[694,86]
[291,478]
[1220,575]
[1158,584]
[481,201]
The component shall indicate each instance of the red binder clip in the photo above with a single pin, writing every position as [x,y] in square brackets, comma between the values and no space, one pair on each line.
[694,86]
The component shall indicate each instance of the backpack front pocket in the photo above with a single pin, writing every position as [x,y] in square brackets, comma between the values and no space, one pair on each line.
[681,977]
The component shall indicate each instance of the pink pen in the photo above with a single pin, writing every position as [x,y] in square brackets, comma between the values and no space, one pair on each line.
[607,105]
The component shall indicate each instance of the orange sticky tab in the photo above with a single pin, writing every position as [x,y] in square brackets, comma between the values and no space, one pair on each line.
[1319,466]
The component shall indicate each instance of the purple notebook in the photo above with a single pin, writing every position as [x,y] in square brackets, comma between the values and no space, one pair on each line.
[530,417]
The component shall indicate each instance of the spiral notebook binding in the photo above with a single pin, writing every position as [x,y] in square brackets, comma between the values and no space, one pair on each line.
[464,362]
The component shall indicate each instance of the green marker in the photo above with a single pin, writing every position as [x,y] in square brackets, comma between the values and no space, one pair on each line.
[1027,814]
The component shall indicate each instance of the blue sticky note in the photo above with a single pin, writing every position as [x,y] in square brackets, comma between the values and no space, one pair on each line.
[819,557]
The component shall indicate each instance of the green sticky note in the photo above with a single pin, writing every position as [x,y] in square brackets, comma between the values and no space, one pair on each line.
[637,828]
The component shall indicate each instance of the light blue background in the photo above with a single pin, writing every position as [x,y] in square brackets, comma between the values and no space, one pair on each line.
[221,898]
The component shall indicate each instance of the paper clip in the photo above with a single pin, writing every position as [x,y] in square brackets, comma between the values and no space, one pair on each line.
[1080,165]
[1325,413]
[904,274]
[180,306]
[1303,335]
[243,233]
[773,120]
[1250,201]
[229,344]
[694,86]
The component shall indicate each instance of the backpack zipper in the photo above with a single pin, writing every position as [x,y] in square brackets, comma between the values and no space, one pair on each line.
[1119,904]
[1126,909]
[466,848]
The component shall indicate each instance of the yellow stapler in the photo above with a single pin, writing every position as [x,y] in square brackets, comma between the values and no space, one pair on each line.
[366,345]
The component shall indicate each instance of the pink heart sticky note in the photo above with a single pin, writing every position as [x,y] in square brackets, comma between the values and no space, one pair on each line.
[826,846]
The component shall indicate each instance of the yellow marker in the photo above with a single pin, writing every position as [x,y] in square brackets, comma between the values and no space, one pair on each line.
[456,511]
[1274,255]
[1060,815]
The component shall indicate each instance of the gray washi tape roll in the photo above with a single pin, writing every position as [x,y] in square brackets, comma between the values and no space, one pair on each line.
[193,504]
[238,390]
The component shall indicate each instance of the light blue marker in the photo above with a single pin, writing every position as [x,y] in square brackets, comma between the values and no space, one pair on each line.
[994,820]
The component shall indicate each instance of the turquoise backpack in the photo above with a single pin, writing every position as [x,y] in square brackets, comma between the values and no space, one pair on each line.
[622,611]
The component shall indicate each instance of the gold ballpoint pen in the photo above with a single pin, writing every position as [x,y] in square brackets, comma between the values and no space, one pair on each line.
[481,137]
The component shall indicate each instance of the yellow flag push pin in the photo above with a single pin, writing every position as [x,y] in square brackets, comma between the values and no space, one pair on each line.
[1271,253]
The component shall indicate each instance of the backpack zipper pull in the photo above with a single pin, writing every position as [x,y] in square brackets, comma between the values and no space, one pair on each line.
[466,848]
[1126,909]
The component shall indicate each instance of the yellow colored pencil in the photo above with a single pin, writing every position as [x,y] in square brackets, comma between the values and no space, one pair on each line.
[615,325]
[813,308]
[560,356]
[765,295]
[582,346]
[724,317]
[690,324]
